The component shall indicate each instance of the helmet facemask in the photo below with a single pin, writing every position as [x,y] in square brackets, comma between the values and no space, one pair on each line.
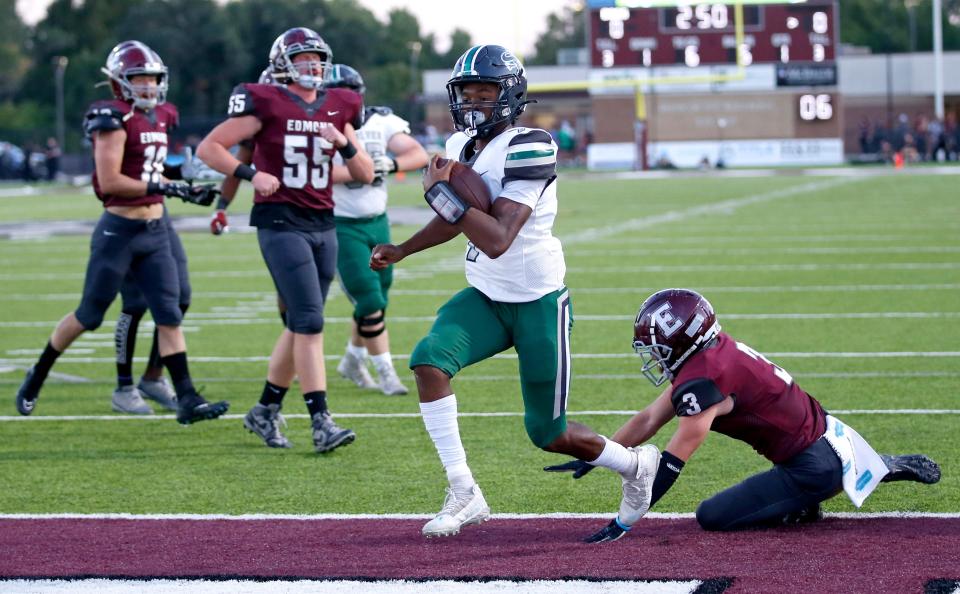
[656,361]
[308,73]
[469,116]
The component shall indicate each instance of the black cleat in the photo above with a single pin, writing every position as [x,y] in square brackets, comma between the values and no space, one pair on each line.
[911,467]
[195,408]
[27,395]
[807,515]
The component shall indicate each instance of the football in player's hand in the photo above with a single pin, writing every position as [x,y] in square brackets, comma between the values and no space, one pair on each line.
[468,185]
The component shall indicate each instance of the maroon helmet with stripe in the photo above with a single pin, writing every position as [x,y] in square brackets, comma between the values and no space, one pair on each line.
[671,326]
[132,58]
[295,41]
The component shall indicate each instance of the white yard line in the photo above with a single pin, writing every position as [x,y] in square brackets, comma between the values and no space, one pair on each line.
[270,296]
[416,415]
[498,516]
[244,318]
[403,356]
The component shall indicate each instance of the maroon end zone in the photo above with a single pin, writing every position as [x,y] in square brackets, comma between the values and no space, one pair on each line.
[850,555]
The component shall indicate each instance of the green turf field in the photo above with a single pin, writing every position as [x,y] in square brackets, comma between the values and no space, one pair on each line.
[851,284]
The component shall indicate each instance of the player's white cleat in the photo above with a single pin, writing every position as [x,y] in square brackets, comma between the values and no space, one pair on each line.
[459,510]
[354,369]
[638,489]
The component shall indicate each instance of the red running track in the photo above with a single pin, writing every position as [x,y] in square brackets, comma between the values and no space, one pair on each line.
[835,555]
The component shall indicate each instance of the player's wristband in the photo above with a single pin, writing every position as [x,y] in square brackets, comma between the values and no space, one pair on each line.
[244,171]
[667,472]
[445,202]
[222,203]
[154,188]
[347,151]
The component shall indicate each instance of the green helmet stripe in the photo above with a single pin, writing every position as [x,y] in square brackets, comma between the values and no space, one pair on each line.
[471,58]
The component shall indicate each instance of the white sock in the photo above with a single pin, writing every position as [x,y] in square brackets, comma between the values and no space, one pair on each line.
[440,419]
[382,362]
[616,457]
[357,351]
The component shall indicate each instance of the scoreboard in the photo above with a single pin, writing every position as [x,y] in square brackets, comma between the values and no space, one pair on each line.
[649,33]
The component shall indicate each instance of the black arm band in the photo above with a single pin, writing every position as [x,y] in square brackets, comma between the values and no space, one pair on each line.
[222,203]
[154,188]
[667,473]
[347,151]
[244,171]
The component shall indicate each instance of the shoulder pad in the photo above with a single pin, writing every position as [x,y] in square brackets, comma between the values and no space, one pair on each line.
[173,115]
[241,102]
[103,116]
[377,110]
[695,396]
[530,155]
[531,135]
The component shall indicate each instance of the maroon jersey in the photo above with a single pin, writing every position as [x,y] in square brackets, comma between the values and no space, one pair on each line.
[770,412]
[289,145]
[145,148]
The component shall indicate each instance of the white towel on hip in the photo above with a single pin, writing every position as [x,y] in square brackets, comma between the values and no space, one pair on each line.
[862,466]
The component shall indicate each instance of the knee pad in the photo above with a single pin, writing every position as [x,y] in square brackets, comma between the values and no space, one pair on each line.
[90,314]
[543,434]
[710,517]
[365,325]
[305,322]
[168,316]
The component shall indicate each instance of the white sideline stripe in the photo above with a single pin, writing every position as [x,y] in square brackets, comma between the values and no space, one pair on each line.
[766,267]
[500,516]
[244,319]
[271,296]
[724,207]
[451,266]
[469,377]
[402,356]
[416,415]
[618,253]
[338,586]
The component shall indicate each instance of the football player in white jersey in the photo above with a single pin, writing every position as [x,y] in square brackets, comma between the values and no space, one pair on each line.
[360,212]
[516,297]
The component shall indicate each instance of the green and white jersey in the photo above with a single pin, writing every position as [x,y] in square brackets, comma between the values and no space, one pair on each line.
[519,164]
[360,201]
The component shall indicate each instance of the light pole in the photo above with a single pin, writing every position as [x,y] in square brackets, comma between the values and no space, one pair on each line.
[59,66]
[415,48]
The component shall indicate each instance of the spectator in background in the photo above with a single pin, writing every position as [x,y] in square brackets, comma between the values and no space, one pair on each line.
[53,154]
[26,171]
[567,142]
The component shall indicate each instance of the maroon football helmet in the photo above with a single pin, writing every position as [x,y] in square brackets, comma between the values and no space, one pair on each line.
[295,41]
[671,326]
[132,58]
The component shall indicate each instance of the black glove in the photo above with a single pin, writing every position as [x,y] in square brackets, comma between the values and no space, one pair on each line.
[578,467]
[203,195]
[611,532]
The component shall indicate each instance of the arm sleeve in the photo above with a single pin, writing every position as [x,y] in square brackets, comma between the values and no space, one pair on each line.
[241,102]
[102,117]
[695,396]
[531,155]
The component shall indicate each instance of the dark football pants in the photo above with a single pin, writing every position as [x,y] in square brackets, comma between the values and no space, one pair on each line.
[131,295]
[120,246]
[302,264]
[812,476]
[365,288]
